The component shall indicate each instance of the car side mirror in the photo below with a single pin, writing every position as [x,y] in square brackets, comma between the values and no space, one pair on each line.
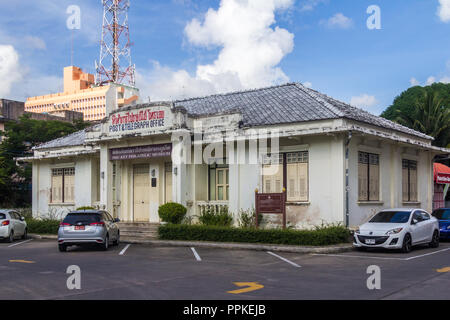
[414,221]
[116,220]
[22,218]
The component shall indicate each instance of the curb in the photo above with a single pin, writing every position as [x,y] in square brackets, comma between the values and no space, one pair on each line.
[230,246]
[244,246]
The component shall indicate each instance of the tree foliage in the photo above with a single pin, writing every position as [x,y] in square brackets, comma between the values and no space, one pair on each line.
[425,109]
[19,139]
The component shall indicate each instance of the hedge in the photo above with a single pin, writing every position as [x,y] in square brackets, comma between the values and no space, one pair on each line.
[319,237]
[43,226]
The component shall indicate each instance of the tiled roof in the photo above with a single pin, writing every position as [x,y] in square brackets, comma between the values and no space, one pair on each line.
[288,103]
[74,139]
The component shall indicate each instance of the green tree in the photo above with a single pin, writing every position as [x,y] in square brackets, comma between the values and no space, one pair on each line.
[20,137]
[425,109]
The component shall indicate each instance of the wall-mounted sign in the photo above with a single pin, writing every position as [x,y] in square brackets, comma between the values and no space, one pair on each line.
[443,178]
[134,121]
[141,152]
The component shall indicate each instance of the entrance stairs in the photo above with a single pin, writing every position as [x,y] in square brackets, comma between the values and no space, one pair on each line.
[130,231]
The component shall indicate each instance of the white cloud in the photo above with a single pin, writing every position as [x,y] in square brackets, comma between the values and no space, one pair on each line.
[10,72]
[307,84]
[430,80]
[309,5]
[338,21]
[363,101]
[251,50]
[444,10]
[414,82]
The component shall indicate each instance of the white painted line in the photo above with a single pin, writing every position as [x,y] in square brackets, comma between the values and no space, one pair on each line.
[284,259]
[196,254]
[427,254]
[124,249]
[351,256]
[19,243]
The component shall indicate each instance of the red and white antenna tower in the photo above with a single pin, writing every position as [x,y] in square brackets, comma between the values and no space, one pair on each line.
[115,50]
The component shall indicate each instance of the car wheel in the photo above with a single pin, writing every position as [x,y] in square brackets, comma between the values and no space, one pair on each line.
[105,244]
[62,247]
[25,234]
[11,237]
[407,244]
[435,241]
[117,242]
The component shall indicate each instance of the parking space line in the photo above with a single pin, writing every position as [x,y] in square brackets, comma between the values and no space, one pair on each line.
[124,250]
[427,254]
[19,243]
[196,255]
[284,259]
[351,256]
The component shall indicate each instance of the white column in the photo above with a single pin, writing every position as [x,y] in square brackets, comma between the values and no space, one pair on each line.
[105,178]
[180,153]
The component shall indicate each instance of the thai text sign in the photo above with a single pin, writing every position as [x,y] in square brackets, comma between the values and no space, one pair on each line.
[141,152]
[150,119]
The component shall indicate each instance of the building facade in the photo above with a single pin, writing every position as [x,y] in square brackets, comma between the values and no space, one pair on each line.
[336,163]
[81,95]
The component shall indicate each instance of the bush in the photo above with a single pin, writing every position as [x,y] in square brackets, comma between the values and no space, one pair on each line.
[247,218]
[319,237]
[45,226]
[85,208]
[211,217]
[172,212]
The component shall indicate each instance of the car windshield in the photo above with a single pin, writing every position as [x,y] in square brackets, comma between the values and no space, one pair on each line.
[391,217]
[2,216]
[442,214]
[81,218]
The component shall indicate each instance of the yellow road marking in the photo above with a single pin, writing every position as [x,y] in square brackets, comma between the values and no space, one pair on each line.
[21,261]
[443,270]
[251,286]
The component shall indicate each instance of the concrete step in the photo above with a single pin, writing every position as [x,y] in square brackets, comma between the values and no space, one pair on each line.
[134,229]
[143,234]
[139,237]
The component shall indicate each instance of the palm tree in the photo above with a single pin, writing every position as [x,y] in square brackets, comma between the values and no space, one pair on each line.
[431,117]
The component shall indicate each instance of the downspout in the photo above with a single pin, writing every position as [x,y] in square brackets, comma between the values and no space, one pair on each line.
[347,182]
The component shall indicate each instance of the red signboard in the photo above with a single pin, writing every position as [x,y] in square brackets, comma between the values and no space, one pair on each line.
[442,178]
[141,152]
[272,203]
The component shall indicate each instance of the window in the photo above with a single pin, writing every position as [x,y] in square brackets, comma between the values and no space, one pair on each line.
[219,182]
[63,185]
[409,180]
[290,166]
[368,177]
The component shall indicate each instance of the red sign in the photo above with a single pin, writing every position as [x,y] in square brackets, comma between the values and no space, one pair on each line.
[141,152]
[442,178]
[274,203]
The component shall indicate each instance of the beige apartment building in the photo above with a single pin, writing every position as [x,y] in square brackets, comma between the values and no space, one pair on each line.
[82,95]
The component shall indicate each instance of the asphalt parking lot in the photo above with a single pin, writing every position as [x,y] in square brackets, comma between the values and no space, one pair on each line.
[35,269]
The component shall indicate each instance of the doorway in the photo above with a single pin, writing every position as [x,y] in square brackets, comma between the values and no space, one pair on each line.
[141,192]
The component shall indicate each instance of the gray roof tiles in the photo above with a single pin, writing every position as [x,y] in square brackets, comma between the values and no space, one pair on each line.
[283,104]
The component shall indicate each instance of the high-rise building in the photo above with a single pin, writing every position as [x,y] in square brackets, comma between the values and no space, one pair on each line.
[82,95]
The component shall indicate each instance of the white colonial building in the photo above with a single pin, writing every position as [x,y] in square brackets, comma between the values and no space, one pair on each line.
[337,163]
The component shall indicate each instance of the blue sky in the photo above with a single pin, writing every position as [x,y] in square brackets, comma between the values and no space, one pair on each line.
[180,50]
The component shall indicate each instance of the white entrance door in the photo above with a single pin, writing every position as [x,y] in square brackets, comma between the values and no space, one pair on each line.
[141,193]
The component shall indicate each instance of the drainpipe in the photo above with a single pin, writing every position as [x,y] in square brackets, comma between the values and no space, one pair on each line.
[347,182]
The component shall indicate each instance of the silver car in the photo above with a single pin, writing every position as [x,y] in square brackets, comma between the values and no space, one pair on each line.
[88,227]
[12,225]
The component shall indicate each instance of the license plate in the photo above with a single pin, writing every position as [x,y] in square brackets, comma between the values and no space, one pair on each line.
[370,241]
[79,227]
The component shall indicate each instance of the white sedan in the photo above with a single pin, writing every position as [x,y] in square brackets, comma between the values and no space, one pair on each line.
[12,225]
[398,229]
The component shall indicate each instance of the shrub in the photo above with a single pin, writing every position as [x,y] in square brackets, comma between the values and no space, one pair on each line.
[85,208]
[211,217]
[247,218]
[172,212]
[45,226]
[318,237]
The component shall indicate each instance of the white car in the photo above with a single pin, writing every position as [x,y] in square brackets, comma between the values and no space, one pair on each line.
[398,229]
[12,225]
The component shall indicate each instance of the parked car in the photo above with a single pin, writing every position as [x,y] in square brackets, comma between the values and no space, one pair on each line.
[443,215]
[88,227]
[398,229]
[12,225]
